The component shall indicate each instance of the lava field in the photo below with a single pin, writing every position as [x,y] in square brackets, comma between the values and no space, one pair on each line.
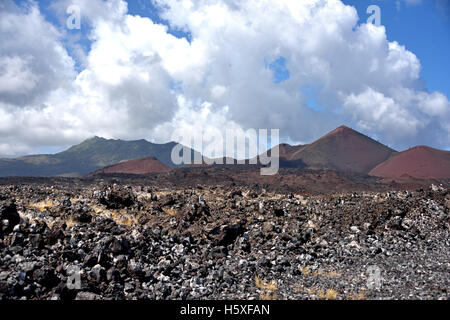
[109,241]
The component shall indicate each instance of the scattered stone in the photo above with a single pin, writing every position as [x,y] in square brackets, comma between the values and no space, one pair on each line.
[120,242]
[226,234]
[8,212]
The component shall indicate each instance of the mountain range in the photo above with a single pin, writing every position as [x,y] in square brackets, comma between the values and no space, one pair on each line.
[86,157]
[341,150]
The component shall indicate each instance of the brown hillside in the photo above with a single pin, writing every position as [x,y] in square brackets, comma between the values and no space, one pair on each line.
[344,149]
[139,166]
[418,162]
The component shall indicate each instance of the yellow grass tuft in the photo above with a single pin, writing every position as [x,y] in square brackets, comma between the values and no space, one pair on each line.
[331,294]
[359,296]
[320,294]
[42,206]
[171,212]
[272,285]
[268,295]
[311,291]
[305,270]
[333,275]
[70,223]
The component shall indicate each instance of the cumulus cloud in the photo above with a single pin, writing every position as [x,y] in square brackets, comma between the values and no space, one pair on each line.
[33,62]
[140,81]
[16,74]
[375,112]
[356,67]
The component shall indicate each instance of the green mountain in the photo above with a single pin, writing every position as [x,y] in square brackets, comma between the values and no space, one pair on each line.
[85,158]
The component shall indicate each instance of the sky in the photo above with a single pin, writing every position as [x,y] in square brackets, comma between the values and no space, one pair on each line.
[164,69]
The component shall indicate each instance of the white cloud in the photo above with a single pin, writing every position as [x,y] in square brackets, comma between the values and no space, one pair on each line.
[32,60]
[322,47]
[139,81]
[375,112]
[15,74]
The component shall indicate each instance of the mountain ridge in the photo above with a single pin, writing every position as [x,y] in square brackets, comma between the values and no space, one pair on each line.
[342,149]
[88,156]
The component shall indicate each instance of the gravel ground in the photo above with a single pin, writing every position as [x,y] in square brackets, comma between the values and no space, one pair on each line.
[123,242]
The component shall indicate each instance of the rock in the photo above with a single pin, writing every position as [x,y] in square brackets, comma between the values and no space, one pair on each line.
[227,234]
[116,246]
[88,296]
[39,227]
[67,203]
[243,243]
[54,235]
[217,252]
[117,198]
[8,211]
[128,287]
[447,203]
[279,212]
[235,193]
[268,227]
[354,244]
[45,277]
[231,252]
[264,262]
[90,260]
[36,241]
[16,239]
[261,207]
[83,217]
[97,273]
[178,249]
[113,275]
[135,269]
[407,223]
[306,235]
[5,288]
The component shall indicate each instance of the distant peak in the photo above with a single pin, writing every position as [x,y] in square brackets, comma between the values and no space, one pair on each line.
[341,129]
[96,138]
[420,147]
[423,148]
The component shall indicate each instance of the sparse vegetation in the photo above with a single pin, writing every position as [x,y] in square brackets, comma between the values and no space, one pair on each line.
[200,243]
